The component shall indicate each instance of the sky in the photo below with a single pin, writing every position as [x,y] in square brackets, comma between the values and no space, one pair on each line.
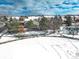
[39,7]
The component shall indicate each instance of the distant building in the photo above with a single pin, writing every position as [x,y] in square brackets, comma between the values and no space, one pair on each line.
[21,25]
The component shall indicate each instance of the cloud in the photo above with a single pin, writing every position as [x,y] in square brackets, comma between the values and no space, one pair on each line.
[37,7]
[6,7]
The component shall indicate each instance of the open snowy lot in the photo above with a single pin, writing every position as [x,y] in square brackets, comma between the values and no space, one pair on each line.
[41,48]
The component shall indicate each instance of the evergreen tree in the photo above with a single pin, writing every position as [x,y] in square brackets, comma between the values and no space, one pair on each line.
[68,20]
[12,26]
[30,24]
[43,24]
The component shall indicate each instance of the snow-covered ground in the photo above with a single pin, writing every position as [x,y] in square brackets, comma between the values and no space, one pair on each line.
[7,37]
[40,48]
[72,36]
[66,35]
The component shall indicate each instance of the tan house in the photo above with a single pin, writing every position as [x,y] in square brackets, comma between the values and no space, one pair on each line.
[21,25]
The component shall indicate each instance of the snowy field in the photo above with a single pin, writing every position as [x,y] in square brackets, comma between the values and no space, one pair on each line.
[40,48]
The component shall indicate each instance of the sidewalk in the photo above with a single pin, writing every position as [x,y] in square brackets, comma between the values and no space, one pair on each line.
[5,38]
[75,37]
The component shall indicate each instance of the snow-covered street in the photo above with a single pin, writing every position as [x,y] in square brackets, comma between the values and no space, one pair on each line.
[41,48]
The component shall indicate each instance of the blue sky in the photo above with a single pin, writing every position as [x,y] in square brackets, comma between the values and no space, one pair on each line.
[39,7]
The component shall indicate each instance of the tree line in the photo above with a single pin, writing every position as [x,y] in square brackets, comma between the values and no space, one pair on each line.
[42,23]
